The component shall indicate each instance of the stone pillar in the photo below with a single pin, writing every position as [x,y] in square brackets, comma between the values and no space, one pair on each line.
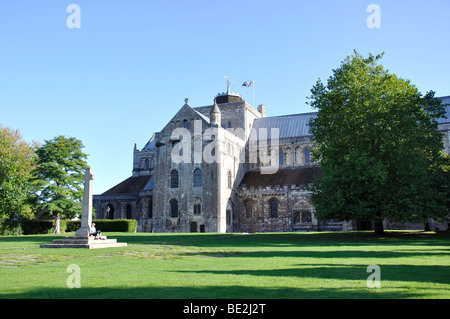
[86,216]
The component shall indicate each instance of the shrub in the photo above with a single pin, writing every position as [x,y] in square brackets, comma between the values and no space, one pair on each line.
[10,227]
[107,225]
[73,225]
[32,227]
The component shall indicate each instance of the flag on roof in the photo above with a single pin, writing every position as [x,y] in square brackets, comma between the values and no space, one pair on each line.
[248,83]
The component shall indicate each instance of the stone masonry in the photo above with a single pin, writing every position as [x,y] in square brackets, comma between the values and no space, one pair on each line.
[210,169]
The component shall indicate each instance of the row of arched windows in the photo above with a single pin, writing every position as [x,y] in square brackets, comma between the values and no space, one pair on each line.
[174,211]
[109,212]
[197,178]
[285,157]
[147,164]
[273,208]
[196,175]
[300,216]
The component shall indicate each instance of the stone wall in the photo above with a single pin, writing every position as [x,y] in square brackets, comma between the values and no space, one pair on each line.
[278,209]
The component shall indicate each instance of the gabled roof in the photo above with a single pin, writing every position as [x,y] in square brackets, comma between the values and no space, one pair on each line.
[132,185]
[150,146]
[204,117]
[186,108]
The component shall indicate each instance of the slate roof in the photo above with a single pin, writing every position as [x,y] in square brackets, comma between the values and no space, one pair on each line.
[294,125]
[132,185]
[201,115]
[284,176]
[150,146]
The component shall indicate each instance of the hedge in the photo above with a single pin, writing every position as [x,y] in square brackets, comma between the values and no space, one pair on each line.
[32,227]
[107,225]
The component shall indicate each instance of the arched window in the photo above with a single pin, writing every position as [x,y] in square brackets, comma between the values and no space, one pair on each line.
[147,164]
[128,211]
[288,157]
[197,206]
[229,125]
[306,217]
[110,211]
[197,177]
[174,179]
[150,207]
[307,156]
[197,209]
[298,156]
[173,208]
[273,208]
[280,158]
[229,179]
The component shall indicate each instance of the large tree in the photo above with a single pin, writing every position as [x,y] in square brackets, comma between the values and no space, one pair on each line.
[378,146]
[17,160]
[61,165]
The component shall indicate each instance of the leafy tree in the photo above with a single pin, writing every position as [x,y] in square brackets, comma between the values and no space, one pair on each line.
[61,165]
[378,147]
[17,161]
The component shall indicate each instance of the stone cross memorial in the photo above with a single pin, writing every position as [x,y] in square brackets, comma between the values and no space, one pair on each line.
[82,238]
[86,215]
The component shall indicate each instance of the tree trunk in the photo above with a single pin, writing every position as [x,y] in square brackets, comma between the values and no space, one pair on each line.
[379,228]
[57,223]
[378,224]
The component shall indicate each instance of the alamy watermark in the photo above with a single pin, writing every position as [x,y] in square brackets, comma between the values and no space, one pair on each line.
[187,148]
[74,19]
[74,279]
[374,19]
[374,280]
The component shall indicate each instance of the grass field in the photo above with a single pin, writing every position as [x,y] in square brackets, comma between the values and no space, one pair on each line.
[214,266]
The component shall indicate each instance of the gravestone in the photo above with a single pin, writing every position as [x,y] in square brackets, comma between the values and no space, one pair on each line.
[82,238]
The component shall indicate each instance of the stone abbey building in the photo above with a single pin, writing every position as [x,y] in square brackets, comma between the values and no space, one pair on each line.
[212,169]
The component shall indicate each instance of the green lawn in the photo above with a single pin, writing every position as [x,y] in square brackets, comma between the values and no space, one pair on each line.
[270,265]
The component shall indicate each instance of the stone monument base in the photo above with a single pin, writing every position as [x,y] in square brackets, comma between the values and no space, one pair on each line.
[84,242]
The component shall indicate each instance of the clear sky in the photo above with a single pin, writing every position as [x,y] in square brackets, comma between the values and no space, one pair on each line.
[126,71]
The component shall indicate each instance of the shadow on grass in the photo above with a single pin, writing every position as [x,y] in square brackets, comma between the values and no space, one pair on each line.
[316,239]
[212,292]
[261,239]
[326,254]
[268,246]
[404,273]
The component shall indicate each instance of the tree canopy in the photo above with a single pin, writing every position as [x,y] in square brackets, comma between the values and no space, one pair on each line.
[378,146]
[17,161]
[60,169]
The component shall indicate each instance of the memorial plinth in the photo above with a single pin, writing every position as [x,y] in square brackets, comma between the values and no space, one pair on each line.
[83,242]
[82,238]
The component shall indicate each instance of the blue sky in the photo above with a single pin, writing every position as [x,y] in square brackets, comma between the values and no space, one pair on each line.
[127,70]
